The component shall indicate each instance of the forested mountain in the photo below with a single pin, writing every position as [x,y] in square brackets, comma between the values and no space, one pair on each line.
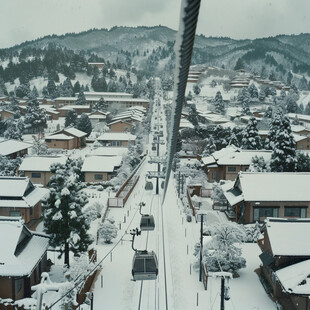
[149,50]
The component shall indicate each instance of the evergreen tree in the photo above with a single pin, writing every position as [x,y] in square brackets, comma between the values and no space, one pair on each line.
[219,104]
[253,91]
[101,105]
[239,64]
[268,113]
[81,100]
[261,95]
[51,88]
[283,157]
[259,164]
[35,118]
[3,90]
[291,103]
[38,146]
[275,126]
[67,88]
[302,162]
[289,78]
[193,115]
[63,217]
[34,93]
[196,89]
[13,131]
[84,124]
[22,91]
[251,139]
[76,87]
[71,118]
[8,167]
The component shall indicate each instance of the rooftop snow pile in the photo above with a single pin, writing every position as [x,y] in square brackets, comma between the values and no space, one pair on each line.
[101,163]
[41,163]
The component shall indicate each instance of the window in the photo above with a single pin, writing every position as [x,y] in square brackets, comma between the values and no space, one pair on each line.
[14,213]
[18,285]
[295,212]
[98,177]
[116,143]
[231,169]
[48,140]
[265,212]
[36,175]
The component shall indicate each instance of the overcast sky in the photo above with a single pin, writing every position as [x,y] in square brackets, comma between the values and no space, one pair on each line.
[23,20]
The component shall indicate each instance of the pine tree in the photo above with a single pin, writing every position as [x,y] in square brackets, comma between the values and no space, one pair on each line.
[282,93]
[71,118]
[38,146]
[81,100]
[291,103]
[13,131]
[101,105]
[196,89]
[307,109]
[22,91]
[219,104]
[261,95]
[51,88]
[275,126]
[76,87]
[259,164]
[302,162]
[253,91]
[268,113]
[34,93]
[84,124]
[239,64]
[63,217]
[251,139]
[283,157]
[35,118]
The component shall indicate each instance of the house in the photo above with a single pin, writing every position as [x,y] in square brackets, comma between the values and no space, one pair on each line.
[79,109]
[37,168]
[300,130]
[100,168]
[304,120]
[120,126]
[302,142]
[228,162]
[255,196]
[5,114]
[286,261]
[68,138]
[117,139]
[14,148]
[22,259]
[19,197]
[98,117]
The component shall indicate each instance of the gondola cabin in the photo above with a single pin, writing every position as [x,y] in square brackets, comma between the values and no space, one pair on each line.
[144,266]
[149,186]
[147,222]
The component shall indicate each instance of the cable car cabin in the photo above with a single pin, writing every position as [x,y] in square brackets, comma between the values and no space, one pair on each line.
[148,186]
[144,266]
[147,222]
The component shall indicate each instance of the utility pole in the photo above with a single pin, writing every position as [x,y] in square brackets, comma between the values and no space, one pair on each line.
[222,293]
[158,168]
[179,184]
[201,246]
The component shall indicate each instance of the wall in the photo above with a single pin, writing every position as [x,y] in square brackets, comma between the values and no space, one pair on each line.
[215,174]
[303,144]
[61,144]
[44,179]
[232,175]
[6,115]
[90,177]
[249,212]
[6,287]
[120,127]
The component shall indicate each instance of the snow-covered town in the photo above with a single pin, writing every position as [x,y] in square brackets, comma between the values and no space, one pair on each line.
[133,176]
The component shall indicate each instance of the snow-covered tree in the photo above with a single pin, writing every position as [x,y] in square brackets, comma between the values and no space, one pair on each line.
[291,103]
[107,230]
[307,109]
[81,100]
[34,93]
[101,105]
[14,130]
[84,124]
[268,113]
[251,139]
[39,147]
[63,217]
[222,253]
[213,83]
[196,89]
[302,162]
[259,164]
[71,118]
[252,89]
[282,93]
[239,64]
[8,167]
[35,117]
[275,126]
[218,103]
[93,211]
[261,95]
[283,157]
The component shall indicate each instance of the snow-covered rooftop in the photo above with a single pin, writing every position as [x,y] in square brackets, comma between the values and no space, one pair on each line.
[101,163]
[8,147]
[60,136]
[75,107]
[299,116]
[109,151]
[298,138]
[295,278]
[275,186]
[18,260]
[21,188]
[75,132]
[298,128]
[289,237]
[40,163]
[117,136]
[243,157]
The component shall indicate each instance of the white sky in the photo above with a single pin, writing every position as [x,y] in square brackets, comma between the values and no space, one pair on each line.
[23,20]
